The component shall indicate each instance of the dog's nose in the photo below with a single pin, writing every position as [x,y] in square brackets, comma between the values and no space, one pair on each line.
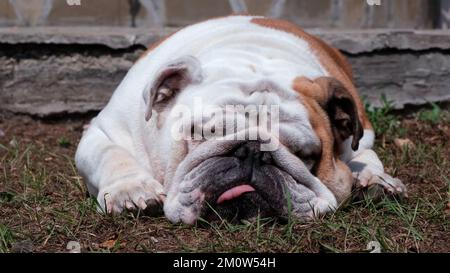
[251,151]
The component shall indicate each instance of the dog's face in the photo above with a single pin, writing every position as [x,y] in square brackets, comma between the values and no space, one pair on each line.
[281,163]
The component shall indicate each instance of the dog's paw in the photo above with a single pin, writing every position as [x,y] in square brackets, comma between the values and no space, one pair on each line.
[376,186]
[132,192]
[184,206]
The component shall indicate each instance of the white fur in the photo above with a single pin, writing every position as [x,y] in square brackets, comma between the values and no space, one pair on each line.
[365,143]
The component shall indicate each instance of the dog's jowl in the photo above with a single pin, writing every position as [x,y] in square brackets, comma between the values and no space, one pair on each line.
[236,116]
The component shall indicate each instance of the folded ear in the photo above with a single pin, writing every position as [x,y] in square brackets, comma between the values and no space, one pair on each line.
[339,104]
[341,109]
[171,79]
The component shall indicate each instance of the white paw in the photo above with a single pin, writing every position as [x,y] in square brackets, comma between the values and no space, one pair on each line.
[131,192]
[184,205]
[376,185]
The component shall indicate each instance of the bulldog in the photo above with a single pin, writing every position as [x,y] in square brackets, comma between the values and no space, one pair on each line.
[321,152]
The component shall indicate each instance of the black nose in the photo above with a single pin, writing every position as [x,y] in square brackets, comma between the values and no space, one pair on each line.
[251,151]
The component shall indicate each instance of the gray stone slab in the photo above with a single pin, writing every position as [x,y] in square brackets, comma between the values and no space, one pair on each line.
[75,83]
[351,41]
[113,37]
[366,41]
[409,67]
[408,78]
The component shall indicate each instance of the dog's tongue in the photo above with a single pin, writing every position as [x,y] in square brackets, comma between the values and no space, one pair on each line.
[234,193]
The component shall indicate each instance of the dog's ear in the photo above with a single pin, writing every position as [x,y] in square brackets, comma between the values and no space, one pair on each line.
[339,104]
[172,78]
[341,109]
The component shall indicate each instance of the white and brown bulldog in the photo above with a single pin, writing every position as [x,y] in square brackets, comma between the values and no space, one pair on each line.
[321,150]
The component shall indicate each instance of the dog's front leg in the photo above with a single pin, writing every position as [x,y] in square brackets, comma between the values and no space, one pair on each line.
[371,179]
[369,175]
[114,176]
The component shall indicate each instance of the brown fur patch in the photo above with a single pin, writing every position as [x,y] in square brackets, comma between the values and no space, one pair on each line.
[326,167]
[330,170]
[310,89]
[332,60]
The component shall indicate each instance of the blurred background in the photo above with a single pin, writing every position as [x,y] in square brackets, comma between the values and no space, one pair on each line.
[420,14]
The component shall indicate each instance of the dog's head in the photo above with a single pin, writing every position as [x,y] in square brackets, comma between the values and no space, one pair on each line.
[238,149]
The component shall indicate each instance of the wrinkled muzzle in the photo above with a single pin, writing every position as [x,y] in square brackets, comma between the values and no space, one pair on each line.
[239,181]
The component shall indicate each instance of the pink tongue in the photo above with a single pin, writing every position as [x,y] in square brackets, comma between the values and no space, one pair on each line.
[234,193]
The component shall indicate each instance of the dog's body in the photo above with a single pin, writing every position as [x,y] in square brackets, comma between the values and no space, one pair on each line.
[130,160]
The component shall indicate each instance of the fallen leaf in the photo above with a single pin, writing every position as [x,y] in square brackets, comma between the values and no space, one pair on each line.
[108,244]
[404,143]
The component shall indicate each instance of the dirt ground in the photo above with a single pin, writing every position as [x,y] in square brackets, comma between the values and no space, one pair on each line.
[44,203]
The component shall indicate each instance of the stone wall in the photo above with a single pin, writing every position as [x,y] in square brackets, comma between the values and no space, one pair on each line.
[74,70]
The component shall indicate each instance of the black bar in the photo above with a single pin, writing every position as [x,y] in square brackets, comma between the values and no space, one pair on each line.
[180,262]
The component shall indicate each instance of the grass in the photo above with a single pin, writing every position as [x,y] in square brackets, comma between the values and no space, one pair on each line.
[44,205]
[434,115]
[383,120]
[6,238]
